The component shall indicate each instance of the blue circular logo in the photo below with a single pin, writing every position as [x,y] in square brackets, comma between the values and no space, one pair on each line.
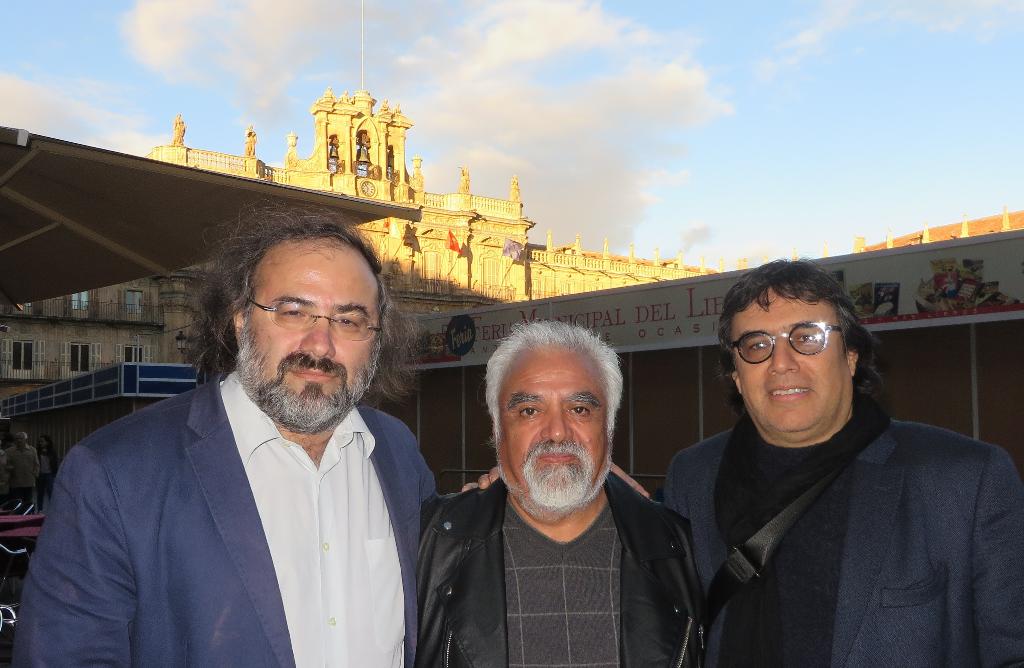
[461,335]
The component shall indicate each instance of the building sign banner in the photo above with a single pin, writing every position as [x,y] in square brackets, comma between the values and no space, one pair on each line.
[952,282]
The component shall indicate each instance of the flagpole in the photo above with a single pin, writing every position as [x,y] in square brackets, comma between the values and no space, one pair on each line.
[511,261]
[362,45]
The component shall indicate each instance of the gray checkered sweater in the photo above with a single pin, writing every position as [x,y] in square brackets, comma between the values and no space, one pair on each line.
[562,598]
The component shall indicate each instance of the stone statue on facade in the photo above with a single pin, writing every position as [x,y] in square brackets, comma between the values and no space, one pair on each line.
[292,156]
[464,181]
[513,190]
[178,136]
[332,155]
[250,142]
[416,182]
[363,146]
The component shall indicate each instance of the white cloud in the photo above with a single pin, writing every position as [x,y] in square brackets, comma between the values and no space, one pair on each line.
[507,34]
[587,107]
[166,35]
[65,110]
[661,180]
[695,234]
[259,45]
[510,91]
[983,18]
[670,179]
[833,16]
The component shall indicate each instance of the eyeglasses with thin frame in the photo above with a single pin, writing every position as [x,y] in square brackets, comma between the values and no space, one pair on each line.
[351,326]
[806,338]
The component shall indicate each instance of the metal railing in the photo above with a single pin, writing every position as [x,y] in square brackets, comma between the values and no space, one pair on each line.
[638,269]
[449,287]
[500,292]
[43,371]
[433,286]
[67,309]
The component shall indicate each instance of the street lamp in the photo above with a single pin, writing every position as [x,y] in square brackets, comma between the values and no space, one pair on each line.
[181,341]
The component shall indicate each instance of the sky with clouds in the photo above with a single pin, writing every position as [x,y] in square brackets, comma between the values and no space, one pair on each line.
[721,130]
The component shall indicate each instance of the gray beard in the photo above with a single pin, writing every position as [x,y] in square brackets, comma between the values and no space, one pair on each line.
[554,492]
[311,411]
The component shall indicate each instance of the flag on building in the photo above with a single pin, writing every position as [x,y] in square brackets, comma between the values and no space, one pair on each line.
[512,249]
[410,237]
[453,243]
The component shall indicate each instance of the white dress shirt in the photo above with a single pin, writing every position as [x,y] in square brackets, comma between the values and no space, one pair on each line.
[330,538]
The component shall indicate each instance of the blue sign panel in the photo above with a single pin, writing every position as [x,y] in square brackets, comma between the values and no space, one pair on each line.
[129,379]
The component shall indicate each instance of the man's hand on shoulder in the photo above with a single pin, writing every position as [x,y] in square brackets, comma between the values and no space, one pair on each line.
[483,482]
[637,487]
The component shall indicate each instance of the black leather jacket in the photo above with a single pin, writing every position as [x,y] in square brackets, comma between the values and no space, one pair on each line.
[461,582]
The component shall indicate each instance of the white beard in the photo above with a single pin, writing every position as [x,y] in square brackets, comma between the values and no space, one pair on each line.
[554,492]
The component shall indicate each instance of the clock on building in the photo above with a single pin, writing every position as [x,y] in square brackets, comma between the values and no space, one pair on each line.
[367,188]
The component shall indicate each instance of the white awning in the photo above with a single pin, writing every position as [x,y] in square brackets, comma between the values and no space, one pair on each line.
[75,217]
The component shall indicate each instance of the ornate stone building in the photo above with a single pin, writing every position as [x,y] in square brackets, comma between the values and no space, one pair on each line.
[64,337]
[467,250]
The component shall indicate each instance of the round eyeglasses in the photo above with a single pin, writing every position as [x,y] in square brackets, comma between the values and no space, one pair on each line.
[807,338]
[350,326]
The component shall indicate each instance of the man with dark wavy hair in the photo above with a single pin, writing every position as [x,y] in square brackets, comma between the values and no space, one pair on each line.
[265,518]
[910,552]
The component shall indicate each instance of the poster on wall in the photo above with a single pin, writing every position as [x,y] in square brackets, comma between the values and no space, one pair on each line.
[926,285]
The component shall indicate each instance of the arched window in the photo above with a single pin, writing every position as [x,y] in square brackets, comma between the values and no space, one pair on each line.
[332,154]
[541,287]
[362,153]
[391,163]
[431,265]
[492,271]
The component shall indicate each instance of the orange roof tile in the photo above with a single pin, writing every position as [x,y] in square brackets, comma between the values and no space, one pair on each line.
[976,228]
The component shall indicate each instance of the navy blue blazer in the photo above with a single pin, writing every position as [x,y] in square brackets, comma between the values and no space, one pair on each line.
[932,572]
[153,553]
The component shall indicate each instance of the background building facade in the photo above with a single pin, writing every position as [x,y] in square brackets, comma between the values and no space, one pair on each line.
[64,337]
[467,250]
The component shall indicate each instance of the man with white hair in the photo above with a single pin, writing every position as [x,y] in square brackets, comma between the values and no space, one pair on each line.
[576,569]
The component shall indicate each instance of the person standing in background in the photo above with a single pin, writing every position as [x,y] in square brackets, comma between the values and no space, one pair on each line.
[48,464]
[5,477]
[24,466]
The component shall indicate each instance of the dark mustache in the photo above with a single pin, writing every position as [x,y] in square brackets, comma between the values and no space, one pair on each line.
[299,360]
[547,447]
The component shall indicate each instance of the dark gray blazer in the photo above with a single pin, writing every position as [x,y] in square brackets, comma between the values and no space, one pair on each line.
[933,562]
[153,553]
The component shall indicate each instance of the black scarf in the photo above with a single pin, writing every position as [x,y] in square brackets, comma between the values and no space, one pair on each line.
[744,502]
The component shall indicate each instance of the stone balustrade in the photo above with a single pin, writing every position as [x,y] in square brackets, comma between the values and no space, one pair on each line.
[563,259]
[485,205]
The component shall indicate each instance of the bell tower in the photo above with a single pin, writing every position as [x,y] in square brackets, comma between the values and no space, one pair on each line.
[358,150]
